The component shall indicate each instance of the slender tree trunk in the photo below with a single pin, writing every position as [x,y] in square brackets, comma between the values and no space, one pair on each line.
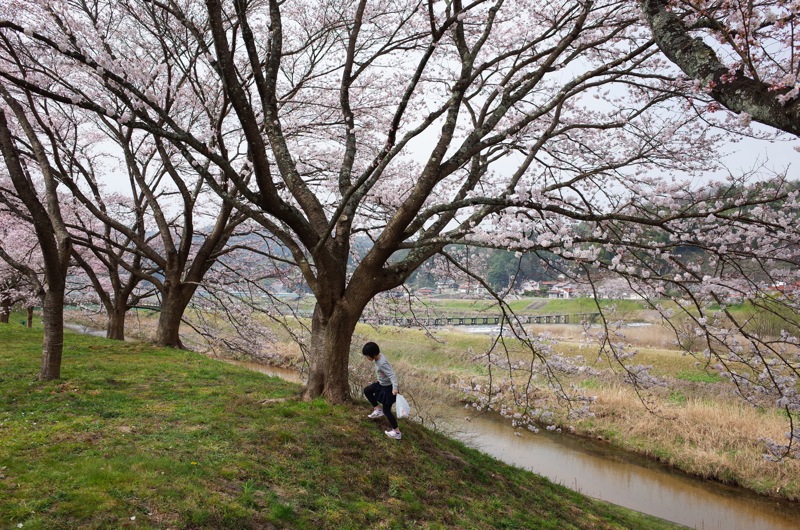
[115,329]
[330,355]
[53,341]
[5,310]
[29,321]
[51,232]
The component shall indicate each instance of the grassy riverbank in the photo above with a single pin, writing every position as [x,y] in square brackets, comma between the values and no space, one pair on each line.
[138,437]
[695,423]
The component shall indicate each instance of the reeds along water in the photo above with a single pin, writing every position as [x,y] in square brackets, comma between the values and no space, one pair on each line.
[597,469]
[600,471]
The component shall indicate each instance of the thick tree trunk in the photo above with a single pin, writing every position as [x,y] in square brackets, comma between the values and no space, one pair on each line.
[173,304]
[115,329]
[169,323]
[330,355]
[53,341]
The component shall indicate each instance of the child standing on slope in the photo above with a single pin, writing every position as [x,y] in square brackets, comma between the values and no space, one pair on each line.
[382,393]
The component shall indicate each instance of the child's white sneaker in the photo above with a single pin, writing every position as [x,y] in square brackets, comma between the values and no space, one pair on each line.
[393,434]
[375,414]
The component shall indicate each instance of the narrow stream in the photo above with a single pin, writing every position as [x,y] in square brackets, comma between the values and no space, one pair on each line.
[600,471]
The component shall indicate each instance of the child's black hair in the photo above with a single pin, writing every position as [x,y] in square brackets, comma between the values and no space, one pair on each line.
[371,349]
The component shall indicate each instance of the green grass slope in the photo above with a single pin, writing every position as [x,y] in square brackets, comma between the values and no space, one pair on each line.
[138,437]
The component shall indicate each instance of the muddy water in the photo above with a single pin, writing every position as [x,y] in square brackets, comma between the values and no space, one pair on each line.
[284,373]
[599,471]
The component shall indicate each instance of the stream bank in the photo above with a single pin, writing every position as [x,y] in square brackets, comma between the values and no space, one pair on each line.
[598,470]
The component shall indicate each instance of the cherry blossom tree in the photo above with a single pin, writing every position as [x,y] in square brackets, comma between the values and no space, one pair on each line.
[111,267]
[113,272]
[166,230]
[743,53]
[177,233]
[526,126]
[22,272]
[43,209]
[20,261]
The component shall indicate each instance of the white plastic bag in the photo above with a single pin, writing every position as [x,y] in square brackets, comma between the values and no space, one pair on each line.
[402,406]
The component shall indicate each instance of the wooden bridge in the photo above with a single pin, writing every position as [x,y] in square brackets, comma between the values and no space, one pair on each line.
[407,322]
[481,320]
[147,307]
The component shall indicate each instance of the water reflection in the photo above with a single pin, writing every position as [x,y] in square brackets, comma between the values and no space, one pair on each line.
[599,471]
[287,374]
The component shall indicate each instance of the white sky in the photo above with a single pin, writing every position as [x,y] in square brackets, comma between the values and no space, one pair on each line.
[778,155]
[742,156]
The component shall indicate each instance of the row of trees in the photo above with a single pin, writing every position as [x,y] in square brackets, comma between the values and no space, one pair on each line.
[418,124]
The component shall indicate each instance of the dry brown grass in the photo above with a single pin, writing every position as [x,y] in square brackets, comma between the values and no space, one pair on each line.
[655,335]
[697,427]
[710,438]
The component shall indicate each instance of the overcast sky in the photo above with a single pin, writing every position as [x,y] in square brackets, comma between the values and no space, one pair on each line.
[778,155]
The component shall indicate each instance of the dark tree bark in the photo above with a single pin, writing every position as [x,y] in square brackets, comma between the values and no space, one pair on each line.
[115,327]
[737,92]
[5,309]
[176,296]
[330,354]
[53,238]
[53,341]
